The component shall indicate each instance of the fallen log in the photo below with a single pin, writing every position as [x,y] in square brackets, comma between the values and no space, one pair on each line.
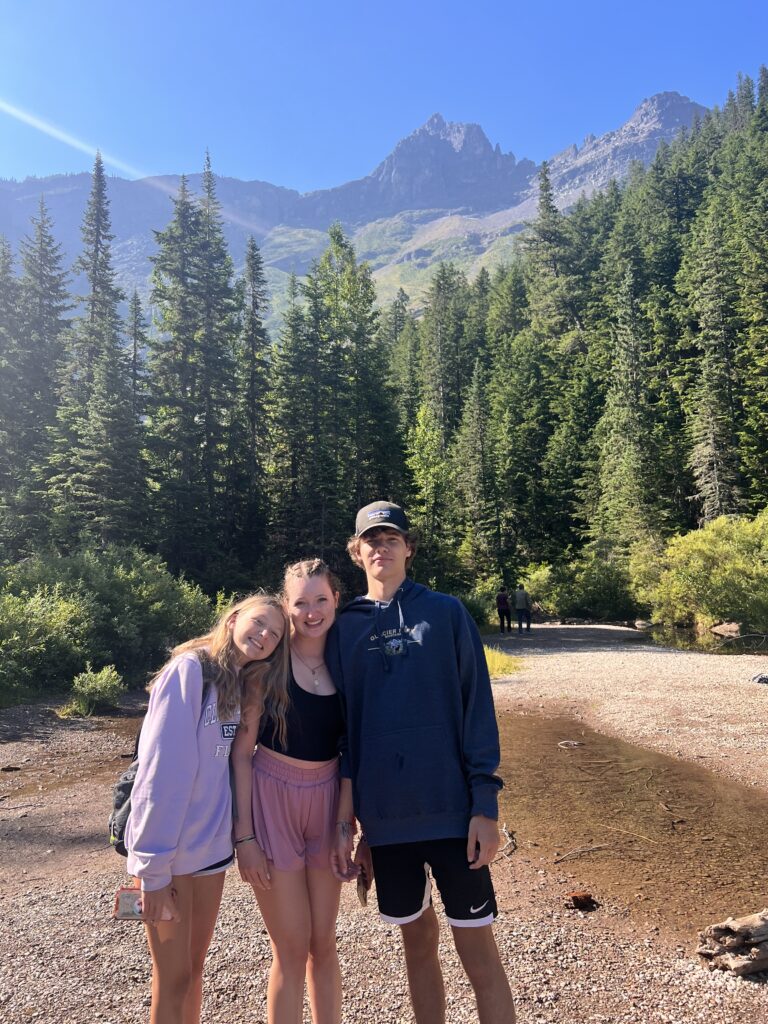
[729,629]
[739,945]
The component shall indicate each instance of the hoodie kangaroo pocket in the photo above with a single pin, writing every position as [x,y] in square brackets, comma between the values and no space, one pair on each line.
[409,773]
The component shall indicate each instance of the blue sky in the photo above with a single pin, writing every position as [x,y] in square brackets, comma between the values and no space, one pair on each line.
[310,94]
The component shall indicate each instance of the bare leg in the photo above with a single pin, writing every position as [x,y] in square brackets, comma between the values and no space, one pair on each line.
[323,972]
[178,950]
[480,956]
[206,900]
[425,979]
[286,912]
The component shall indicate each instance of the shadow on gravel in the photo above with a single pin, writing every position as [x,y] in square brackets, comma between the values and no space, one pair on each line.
[22,723]
[38,839]
[38,722]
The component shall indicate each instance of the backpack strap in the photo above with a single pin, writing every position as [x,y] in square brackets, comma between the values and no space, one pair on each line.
[210,673]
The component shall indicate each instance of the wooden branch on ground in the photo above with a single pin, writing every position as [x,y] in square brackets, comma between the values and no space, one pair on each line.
[579,851]
[739,945]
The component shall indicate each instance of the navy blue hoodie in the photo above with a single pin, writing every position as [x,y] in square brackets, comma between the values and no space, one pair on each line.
[422,742]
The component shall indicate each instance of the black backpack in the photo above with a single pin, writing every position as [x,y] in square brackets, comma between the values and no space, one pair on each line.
[121,791]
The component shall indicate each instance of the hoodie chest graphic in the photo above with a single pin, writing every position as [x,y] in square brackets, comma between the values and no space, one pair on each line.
[395,642]
[226,730]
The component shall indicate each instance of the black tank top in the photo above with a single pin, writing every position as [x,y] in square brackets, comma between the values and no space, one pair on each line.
[314,723]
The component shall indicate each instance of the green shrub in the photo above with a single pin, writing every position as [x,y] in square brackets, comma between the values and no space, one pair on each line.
[599,589]
[136,610]
[715,574]
[542,583]
[476,608]
[592,586]
[95,691]
[45,637]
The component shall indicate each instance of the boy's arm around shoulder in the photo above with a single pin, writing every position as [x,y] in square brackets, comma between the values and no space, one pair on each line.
[480,733]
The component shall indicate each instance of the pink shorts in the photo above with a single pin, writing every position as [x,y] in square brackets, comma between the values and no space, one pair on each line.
[294,811]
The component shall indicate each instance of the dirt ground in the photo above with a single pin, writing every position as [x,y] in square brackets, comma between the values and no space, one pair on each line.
[63,959]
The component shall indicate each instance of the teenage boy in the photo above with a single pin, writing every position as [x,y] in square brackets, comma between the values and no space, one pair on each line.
[422,749]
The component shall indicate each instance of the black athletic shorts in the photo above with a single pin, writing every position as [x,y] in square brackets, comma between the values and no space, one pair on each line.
[404,888]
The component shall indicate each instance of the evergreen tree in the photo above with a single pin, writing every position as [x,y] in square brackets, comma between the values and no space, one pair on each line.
[446,358]
[625,502]
[405,375]
[217,331]
[748,193]
[11,430]
[247,432]
[708,281]
[43,302]
[475,342]
[182,515]
[713,458]
[103,295]
[477,508]
[95,483]
[507,306]
[393,320]
[138,341]
[430,497]
[294,411]
[553,289]
[375,467]
[520,396]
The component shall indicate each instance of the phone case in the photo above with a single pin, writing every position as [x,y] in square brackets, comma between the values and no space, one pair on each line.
[128,905]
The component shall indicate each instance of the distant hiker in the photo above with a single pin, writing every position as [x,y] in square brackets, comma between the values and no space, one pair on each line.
[179,833]
[502,607]
[421,751]
[523,608]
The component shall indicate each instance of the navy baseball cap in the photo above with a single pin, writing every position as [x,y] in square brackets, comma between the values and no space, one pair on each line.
[381,513]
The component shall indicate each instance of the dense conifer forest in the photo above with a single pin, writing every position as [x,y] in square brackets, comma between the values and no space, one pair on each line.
[564,419]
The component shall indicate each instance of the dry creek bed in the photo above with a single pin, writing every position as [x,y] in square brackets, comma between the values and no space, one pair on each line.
[64,960]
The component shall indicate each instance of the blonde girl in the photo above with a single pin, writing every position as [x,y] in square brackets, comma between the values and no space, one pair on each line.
[179,833]
[287,796]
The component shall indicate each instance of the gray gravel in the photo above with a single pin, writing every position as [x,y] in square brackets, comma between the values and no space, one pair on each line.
[701,707]
[64,960]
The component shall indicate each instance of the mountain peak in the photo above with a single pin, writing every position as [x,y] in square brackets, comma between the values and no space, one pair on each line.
[457,134]
[666,109]
[434,125]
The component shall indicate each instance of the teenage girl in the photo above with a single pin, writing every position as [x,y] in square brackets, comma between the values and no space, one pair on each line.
[179,833]
[287,796]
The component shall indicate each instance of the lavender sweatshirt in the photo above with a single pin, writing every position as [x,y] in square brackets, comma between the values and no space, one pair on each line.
[181,805]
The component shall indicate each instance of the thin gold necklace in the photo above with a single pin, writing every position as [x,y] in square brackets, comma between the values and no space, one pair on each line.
[314,671]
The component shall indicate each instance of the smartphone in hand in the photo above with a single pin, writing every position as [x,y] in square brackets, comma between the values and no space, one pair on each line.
[129,905]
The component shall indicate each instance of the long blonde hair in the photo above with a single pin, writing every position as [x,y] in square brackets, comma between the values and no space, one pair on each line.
[260,684]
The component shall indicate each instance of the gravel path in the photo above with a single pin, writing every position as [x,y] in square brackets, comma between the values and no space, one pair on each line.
[701,707]
[64,960]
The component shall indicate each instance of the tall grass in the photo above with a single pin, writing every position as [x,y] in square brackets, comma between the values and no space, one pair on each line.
[500,663]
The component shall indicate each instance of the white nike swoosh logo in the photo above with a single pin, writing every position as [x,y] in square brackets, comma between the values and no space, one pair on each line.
[476,910]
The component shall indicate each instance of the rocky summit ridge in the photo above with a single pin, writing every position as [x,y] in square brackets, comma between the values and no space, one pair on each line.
[444,192]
